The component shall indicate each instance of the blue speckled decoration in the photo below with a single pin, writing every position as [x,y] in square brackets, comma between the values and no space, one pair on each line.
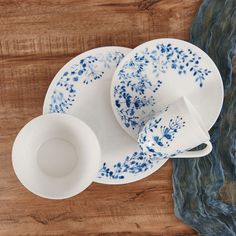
[205,188]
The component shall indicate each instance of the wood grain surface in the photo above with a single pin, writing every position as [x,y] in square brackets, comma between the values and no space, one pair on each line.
[36,38]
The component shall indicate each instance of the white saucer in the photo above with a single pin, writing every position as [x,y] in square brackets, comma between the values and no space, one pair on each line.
[82,88]
[56,156]
[158,72]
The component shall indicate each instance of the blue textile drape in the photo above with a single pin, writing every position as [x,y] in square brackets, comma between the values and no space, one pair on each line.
[205,188]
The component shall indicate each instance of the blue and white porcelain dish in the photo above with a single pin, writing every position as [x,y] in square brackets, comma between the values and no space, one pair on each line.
[174,131]
[82,88]
[158,72]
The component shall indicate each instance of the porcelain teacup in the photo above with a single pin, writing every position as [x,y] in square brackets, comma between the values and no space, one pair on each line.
[174,131]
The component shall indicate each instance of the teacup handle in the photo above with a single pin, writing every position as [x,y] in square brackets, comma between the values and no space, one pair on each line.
[197,153]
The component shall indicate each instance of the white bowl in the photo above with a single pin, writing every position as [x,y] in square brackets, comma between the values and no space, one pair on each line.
[56,156]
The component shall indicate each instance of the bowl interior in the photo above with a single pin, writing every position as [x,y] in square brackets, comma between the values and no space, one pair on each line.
[56,156]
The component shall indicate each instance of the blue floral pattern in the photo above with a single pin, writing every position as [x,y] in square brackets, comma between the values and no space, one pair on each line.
[88,69]
[131,102]
[134,164]
[155,137]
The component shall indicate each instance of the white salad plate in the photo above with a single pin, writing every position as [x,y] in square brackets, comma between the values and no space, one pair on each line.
[82,88]
[158,72]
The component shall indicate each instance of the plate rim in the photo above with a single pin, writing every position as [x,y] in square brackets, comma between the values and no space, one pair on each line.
[67,64]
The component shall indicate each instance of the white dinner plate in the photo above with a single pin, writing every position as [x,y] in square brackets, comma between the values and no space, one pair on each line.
[82,88]
[158,72]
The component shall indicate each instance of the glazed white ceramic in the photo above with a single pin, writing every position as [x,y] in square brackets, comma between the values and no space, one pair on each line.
[56,156]
[157,73]
[174,131]
[82,88]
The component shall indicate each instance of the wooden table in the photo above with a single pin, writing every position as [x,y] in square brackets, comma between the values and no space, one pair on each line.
[36,39]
